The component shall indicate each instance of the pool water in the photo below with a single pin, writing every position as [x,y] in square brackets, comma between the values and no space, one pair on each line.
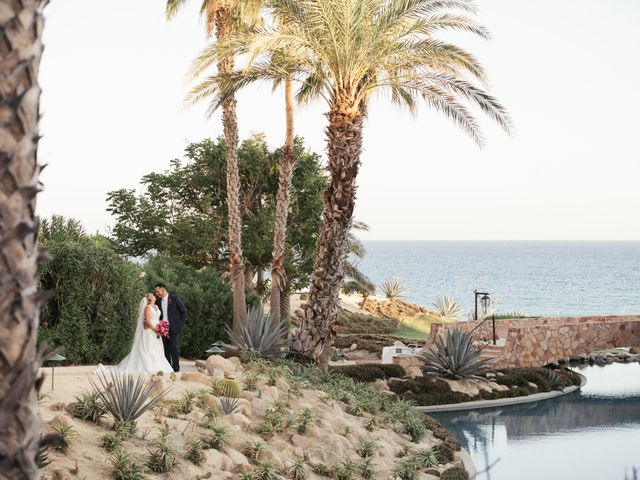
[592,434]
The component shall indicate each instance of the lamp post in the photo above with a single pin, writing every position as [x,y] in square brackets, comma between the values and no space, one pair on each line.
[54,358]
[485,301]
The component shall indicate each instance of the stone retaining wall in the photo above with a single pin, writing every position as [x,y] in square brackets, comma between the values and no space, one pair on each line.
[534,342]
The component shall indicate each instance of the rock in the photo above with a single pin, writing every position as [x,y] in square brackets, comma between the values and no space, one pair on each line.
[634,350]
[432,471]
[272,392]
[302,441]
[159,384]
[236,457]
[239,419]
[282,384]
[211,401]
[491,375]
[236,362]
[380,385]
[414,372]
[195,417]
[499,374]
[398,344]
[196,377]
[354,346]
[216,361]
[201,364]
[61,421]
[217,373]
[533,385]
[57,407]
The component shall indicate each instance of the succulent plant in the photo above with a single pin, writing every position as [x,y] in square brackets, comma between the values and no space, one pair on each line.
[454,355]
[260,333]
[88,406]
[553,379]
[229,405]
[226,387]
[128,396]
[447,307]
[393,288]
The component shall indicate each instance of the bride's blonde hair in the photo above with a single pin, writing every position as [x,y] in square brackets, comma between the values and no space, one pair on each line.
[150,296]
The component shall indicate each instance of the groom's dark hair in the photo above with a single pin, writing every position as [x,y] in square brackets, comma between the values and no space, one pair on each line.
[161,285]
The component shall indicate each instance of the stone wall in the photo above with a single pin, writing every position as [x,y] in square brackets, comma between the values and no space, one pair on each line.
[534,342]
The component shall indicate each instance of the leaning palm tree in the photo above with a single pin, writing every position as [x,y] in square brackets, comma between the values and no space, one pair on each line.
[345,51]
[20,52]
[225,17]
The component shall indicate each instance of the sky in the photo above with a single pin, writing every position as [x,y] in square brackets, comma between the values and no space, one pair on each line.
[114,76]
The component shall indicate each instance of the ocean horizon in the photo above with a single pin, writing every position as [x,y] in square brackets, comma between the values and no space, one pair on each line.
[539,278]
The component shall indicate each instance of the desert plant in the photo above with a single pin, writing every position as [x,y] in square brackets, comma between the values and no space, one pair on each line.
[303,420]
[455,473]
[426,458]
[229,405]
[407,469]
[367,469]
[447,307]
[296,469]
[260,333]
[251,381]
[162,456]
[66,432]
[256,450]
[88,406]
[186,402]
[42,456]
[194,451]
[128,396]
[225,387]
[367,448]
[554,381]
[111,442]
[454,355]
[125,429]
[265,471]
[392,288]
[126,467]
[345,470]
[218,438]
[443,452]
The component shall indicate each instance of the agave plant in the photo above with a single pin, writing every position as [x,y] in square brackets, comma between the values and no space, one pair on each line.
[454,356]
[260,333]
[127,397]
[552,378]
[393,288]
[447,307]
[229,405]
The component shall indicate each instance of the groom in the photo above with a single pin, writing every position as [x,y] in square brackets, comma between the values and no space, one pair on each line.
[173,311]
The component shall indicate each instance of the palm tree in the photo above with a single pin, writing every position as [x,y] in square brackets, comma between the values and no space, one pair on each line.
[224,17]
[20,52]
[344,51]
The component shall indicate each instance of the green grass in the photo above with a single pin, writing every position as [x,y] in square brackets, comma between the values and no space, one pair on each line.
[417,328]
[610,350]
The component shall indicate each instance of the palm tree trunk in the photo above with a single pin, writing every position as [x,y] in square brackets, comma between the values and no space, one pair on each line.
[283,198]
[21,24]
[316,332]
[285,305]
[224,25]
[248,280]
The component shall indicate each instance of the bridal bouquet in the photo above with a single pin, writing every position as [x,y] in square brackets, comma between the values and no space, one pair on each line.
[162,329]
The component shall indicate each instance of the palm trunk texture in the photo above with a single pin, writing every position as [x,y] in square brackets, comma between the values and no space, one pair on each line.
[21,24]
[283,199]
[224,25]
[316,331]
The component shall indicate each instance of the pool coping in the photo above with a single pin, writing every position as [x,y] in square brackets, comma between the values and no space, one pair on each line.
[502,402]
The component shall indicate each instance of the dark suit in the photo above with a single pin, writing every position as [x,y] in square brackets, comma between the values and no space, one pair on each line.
[177,314]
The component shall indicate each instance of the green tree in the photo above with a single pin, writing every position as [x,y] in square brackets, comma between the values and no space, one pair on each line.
[225,17]
[182,212]
[93,310]
[345,51]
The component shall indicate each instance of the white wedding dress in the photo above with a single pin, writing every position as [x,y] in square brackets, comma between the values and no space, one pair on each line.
[147,352]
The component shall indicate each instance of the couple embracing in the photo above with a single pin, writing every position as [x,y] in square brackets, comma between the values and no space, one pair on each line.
[151,351]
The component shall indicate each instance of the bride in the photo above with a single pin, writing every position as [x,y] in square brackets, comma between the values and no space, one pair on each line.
[147,352]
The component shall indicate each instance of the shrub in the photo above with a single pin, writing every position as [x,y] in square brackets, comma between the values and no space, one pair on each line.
[427,390]
[370,372]
[111,442]
[265,471]
[356,322]
[92,313]
[162,457]
[454,355]
[447,307]
[296,470]
[206,296]
[439,431]
[443,452]
[455,473]
[194,451]
[66,432]
[218,438]
[520,377]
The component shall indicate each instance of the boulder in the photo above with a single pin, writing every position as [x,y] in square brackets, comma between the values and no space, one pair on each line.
[201,364]
[236,457]
[216,361]
[380,385]
[211,401]
[236,362]
[61,421]
[195,377]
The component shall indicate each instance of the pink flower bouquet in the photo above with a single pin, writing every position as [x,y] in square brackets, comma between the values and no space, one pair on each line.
[162,329]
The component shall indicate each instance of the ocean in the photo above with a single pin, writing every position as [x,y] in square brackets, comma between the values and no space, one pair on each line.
[535,278]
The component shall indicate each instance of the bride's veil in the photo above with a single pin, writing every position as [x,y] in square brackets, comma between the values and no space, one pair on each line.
[140,322]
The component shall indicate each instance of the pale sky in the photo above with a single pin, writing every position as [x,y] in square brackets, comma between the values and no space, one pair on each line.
[114,77]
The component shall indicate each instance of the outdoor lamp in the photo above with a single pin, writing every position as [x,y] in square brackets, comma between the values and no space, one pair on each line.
[54,358]
[485,302]
[216,347]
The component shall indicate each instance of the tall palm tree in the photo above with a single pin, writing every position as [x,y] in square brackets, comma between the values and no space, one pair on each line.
[20,52]
[224,17]
[344,51]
